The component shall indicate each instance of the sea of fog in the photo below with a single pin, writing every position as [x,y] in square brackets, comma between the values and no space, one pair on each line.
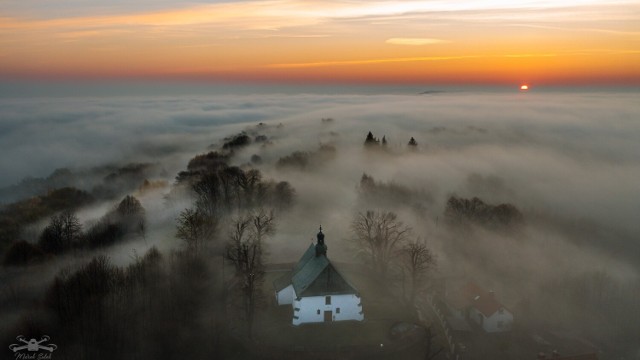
[568,159]
[563,150]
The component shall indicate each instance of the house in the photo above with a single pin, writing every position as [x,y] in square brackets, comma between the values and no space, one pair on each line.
[471,302]
[316,290]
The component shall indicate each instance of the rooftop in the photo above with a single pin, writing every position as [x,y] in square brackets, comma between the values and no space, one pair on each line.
[473,295]
[314,275]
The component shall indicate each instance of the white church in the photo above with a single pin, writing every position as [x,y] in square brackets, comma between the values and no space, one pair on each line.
[317,291]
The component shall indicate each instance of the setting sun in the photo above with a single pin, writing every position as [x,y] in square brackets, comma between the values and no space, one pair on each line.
[524,87]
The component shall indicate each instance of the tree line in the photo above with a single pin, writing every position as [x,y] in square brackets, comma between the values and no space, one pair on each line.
[65,232]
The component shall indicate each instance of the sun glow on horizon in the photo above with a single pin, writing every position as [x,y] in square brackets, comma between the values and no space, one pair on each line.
[524,87]
[305,41]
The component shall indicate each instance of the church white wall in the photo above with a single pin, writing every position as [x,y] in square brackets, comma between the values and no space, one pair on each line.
[285,296]
[312,309]
[491,323]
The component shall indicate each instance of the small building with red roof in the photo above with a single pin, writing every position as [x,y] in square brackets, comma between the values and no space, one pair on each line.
[475,304]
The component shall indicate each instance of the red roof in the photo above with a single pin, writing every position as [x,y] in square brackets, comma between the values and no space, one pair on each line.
[473,295]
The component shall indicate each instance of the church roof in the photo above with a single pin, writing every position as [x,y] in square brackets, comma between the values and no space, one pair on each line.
[319,277]
[282,282]
[308,255]
[314,275]
[308,273]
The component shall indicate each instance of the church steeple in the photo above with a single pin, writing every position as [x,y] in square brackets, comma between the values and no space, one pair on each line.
[321,248]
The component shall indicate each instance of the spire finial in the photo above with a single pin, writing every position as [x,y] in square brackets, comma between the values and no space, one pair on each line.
[321,248]
[320,236]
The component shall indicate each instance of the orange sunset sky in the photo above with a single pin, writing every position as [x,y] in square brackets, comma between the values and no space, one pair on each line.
[571,42]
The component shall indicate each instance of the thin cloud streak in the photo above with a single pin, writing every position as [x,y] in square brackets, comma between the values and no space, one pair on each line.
[416,41]
[400,60]
[580,29]
[370,61]
[275,29]
[274,14]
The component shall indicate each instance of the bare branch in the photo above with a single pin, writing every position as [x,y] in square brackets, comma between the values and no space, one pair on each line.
[379,235]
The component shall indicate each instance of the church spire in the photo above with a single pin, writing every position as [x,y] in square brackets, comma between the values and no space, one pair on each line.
[321,248]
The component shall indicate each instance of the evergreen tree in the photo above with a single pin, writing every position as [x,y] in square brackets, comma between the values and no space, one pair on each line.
[370,140]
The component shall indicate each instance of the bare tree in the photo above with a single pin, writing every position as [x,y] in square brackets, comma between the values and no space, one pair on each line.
[417,260]
[263,225]
[238,235]
[207,191]
[232,179]
[62,232]
[244,250]
[379,236]
[194,228]
[253,181]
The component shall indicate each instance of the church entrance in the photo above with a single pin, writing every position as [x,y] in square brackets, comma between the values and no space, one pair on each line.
[328,316]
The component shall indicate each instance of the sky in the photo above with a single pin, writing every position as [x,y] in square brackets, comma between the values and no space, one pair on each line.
[539,42]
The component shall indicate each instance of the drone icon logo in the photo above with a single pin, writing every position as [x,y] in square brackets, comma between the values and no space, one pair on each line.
[33,344]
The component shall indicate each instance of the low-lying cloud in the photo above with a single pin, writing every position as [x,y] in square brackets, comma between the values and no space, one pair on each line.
[567,160]
[570,153]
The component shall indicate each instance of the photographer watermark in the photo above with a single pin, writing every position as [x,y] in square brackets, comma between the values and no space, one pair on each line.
[33,349]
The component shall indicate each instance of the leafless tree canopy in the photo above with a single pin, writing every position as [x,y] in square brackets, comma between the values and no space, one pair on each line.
[379,236]
[195,228]
[263,224]
[245,250]
[416,260]
[62,232]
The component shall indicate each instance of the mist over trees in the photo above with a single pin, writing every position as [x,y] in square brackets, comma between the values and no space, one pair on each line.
[63,231]
[102,311]
[245,249]
[460,212]
[370,140]
[195,228]
[540,246]
[106,311]
[15,216]
[301,160]
[388,248]
[416,260]
[379,194]
[379,236]
[412,143]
